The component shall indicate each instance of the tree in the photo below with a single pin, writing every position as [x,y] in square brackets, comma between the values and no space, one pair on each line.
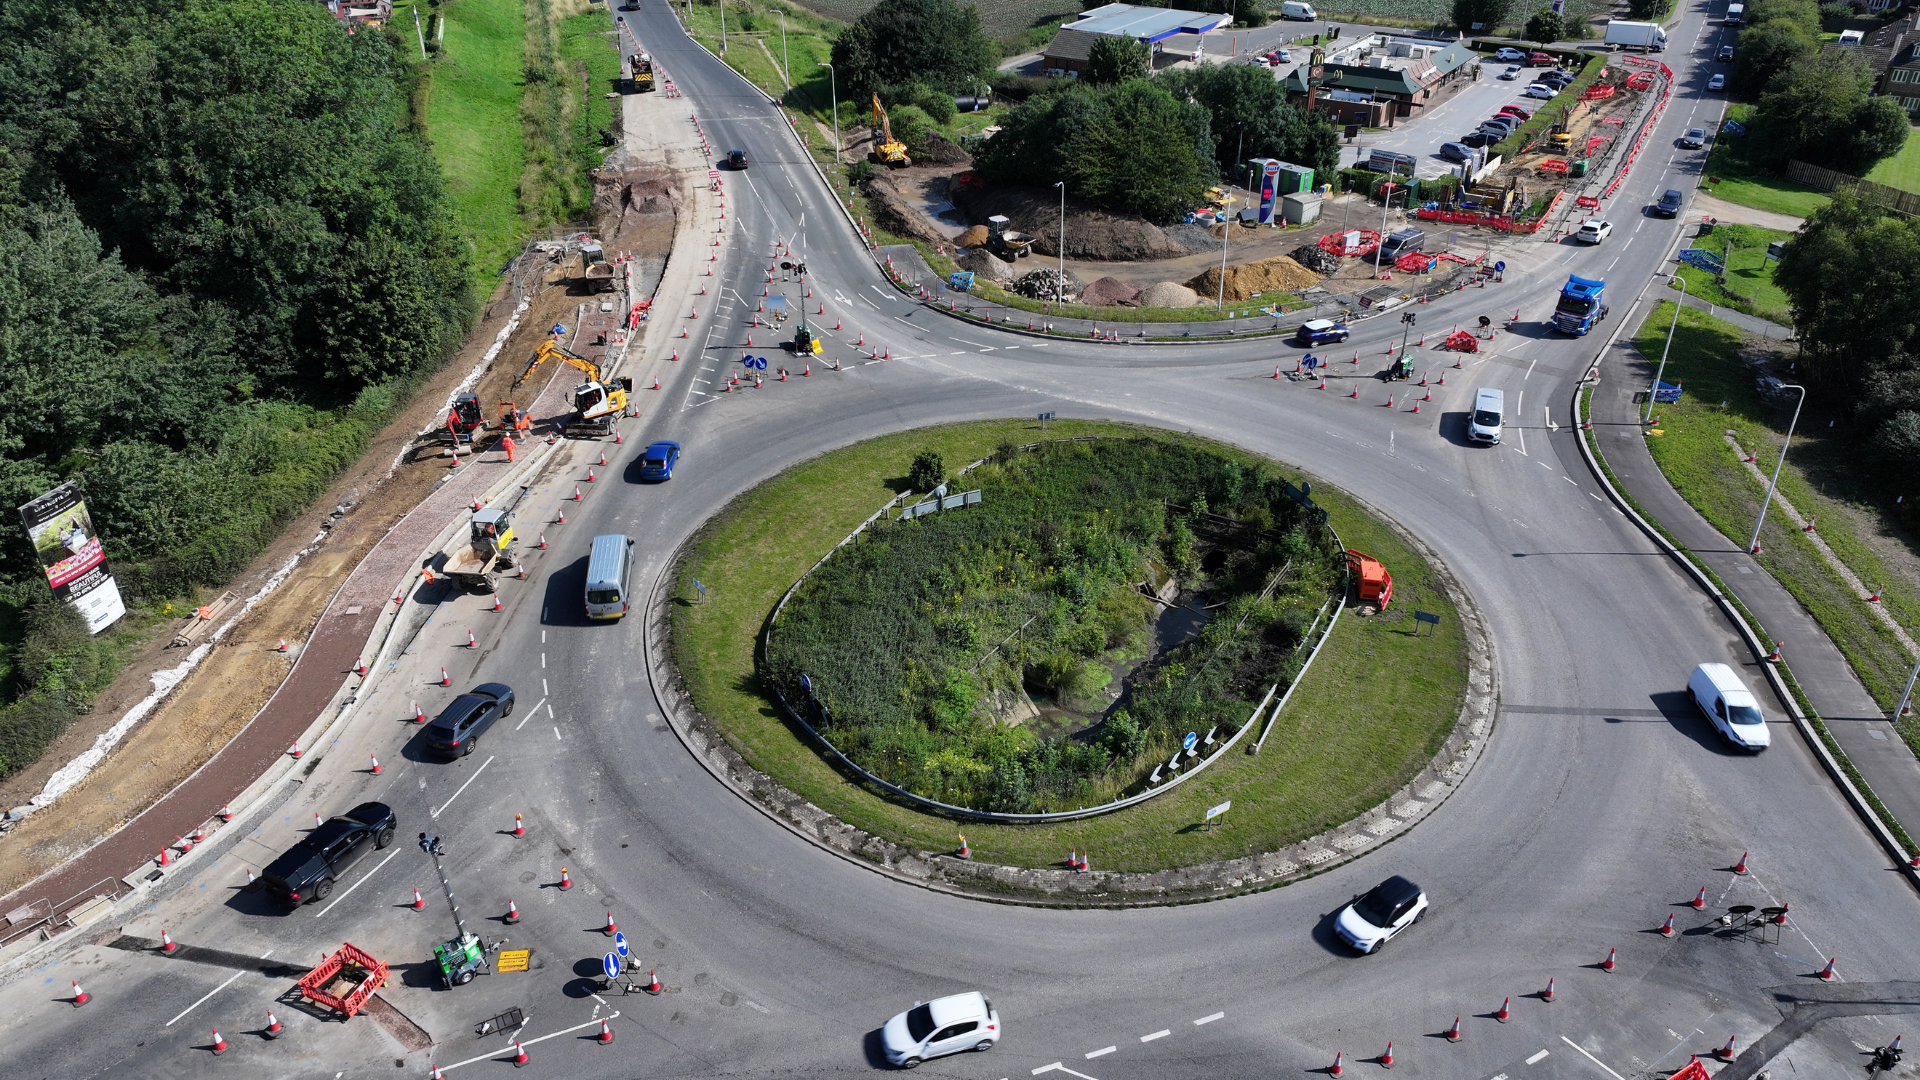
[1545,26]
[1808,110]
[1480,15]
[1802,13]
[1646,10]
[1766,50]
[1249,116]
[1852,277]
[899,42]
[928,471]
[1880,128]
[1117,59]
[912,126]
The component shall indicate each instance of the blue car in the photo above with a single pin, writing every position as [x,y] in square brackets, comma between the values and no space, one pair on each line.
[658,461]
[1321,331]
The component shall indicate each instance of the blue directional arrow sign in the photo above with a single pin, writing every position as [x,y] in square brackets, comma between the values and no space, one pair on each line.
[620,945]
[1187,743]
[611,964]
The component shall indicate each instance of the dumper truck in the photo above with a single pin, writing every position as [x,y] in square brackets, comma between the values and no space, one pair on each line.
[596,271]
[642,73]
[1644,36]
[474,560]
[1005,242]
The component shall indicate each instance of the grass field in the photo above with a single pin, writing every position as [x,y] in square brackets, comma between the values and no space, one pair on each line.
[1693,454]
[1729,177]
[1902,170]
[473,119]
[1369,715]
[1749,286]
[592,58]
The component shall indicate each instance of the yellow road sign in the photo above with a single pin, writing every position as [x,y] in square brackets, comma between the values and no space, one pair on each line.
[514,959]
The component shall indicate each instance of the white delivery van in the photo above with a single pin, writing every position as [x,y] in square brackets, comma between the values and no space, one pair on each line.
[1292,9]
[1734,711]
[1483,424]
[608,576]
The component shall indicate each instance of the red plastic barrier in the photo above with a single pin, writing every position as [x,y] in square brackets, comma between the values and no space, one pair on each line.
[1597,93]
[1557,165]
[1587,202]
[1334,244]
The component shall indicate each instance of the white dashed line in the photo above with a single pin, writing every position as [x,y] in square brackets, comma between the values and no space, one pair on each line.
[1535,1059]
[1161,1034]
[1102,1052]
[1210,1018]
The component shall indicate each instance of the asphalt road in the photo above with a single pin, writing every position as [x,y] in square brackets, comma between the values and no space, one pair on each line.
[1602,802]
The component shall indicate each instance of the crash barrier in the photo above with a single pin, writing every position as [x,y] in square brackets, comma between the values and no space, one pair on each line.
[1213,747]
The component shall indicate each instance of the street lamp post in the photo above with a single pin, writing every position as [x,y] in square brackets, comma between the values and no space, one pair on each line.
[1662,369]
[1906,696]
[786,69]
[1061,241]
[1226,233]
[833,81]
[1753,545]
[1386,202]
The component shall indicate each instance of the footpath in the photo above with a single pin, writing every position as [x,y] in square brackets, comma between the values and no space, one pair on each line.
[1885,762]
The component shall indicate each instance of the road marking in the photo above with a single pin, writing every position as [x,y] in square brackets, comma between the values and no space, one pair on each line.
[368,874]
[1102,1052]
[1570,480]
[1210,1018]
[530,712]
[1161,1034]
[1057,1067]
[470,779]
[982,348]
[615,1015]
[543,661]
[1596,498]
[203,1000]
[1536,1058]
[543,682]
[1590,1057]
[556,733]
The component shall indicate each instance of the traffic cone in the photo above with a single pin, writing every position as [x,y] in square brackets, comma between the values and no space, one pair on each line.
[1607,964]
[560,516]
[1826,973]
[1453,1033]
[1428,396]
[1356,392]
[166,943]
[80,997]
[199,834]
[282,647]
[1874,597]
[1667,930]
[219,1043]
[1741,866]
[376,765]
[274,1027]
[1781,918]
[444,681]
[1416,406]
[251,882]
[1386,1059]
[576,488]
[1699,901]
[1276,370]
[226,812]
[519,828]
[1337,1069]
[543,542]
[612,927]
[1808,527]
[1547,994]
[965,852]
[318,820]
[519,1055]
[806,371]
[419,714]
[418,903]
[1505,1013]
[513,913]
[1085,865]
[471,643]
[1389,401]
[653,982]
[565,881]
[1725,1053]
[606,1033]
[1323,383]
[360,666]
[496,601]
[590,478]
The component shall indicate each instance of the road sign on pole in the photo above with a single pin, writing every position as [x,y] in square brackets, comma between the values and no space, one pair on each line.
[620,944]
[1218,810]
[610,963]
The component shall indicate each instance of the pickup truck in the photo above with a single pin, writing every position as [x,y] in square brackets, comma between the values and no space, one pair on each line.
[310,868]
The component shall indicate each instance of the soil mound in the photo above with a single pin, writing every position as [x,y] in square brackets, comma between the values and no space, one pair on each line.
[892,212]
[1279,274]
[1111,292]
[1168,295]
[941,150]
[975,237]
[1092,234]
[986,264]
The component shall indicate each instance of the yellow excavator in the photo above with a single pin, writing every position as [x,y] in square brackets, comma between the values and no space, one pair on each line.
[596,403]
[887,150]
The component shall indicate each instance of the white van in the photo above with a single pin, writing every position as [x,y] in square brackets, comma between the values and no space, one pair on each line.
[1292,9]
[608,570]
[1483,425]
[1734,711]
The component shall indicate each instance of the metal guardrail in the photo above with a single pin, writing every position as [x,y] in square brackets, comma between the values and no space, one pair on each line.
[43,914]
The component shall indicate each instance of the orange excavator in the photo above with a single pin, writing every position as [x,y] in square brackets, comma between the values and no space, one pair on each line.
[887,150]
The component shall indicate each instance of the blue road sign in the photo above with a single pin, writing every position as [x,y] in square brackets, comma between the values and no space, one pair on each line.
[1500,267]
[620,944]
[610,963]
[1187,743]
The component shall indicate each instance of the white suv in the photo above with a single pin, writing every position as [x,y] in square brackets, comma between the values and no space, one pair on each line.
[1371,920]
[942,1026]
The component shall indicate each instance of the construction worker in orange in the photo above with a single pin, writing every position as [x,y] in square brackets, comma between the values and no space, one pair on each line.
[506,443]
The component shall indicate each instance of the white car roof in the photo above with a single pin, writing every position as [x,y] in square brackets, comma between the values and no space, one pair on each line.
[1592,223]
[955,1008]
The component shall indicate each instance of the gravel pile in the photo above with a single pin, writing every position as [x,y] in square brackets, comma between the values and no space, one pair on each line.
[1166,294]
[1048,285]
[1111,292]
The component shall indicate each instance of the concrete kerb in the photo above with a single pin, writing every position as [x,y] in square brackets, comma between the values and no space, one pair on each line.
[1734,615]
[1394,817]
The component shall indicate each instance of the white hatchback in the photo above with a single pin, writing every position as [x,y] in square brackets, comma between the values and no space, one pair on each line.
[942,1026]
[1593,231]
[1540,90]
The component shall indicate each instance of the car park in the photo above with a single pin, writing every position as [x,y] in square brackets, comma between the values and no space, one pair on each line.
[1540,90]
[1376,916]
[309,869]
[658,460]
[1508,54]
[1320,332]
[1512,72]
[1694,139]
[1669,204]
[1718,82]
[1594,230]
[1726,54]
[945,1025]
[1734,711]
[1454,151]
[457,730]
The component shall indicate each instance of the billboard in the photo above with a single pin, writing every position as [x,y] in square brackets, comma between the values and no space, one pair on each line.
[1269,185]
[70,550]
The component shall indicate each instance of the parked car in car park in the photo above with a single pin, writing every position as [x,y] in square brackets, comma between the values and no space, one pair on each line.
[1540,90]
[1718,82]
[939,1027]
[1508,54]
[1382,912]
[1540,59]
[1454,151]
[1320,332]
[1521,111]
[1594,230]
[1478,139]
[309,869]
[1694,139]
[1559,80]
[1512,72]
[457,730]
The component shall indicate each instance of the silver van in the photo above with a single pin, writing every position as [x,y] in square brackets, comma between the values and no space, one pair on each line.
[609,587]
[1735,712]
[1483,425]
[1293,9]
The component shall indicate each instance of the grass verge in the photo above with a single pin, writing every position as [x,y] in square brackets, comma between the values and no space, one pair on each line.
[1369,715]
[1749,284]
[1729,176]
[1902,170]
[1693,454]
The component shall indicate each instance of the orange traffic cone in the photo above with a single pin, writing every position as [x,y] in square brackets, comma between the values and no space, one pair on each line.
[419,904]
[1453,1033]
[1607,964]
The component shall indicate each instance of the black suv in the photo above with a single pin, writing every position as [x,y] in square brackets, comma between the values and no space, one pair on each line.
[308,871]
[736,160]
[460,725]
[1669,204]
